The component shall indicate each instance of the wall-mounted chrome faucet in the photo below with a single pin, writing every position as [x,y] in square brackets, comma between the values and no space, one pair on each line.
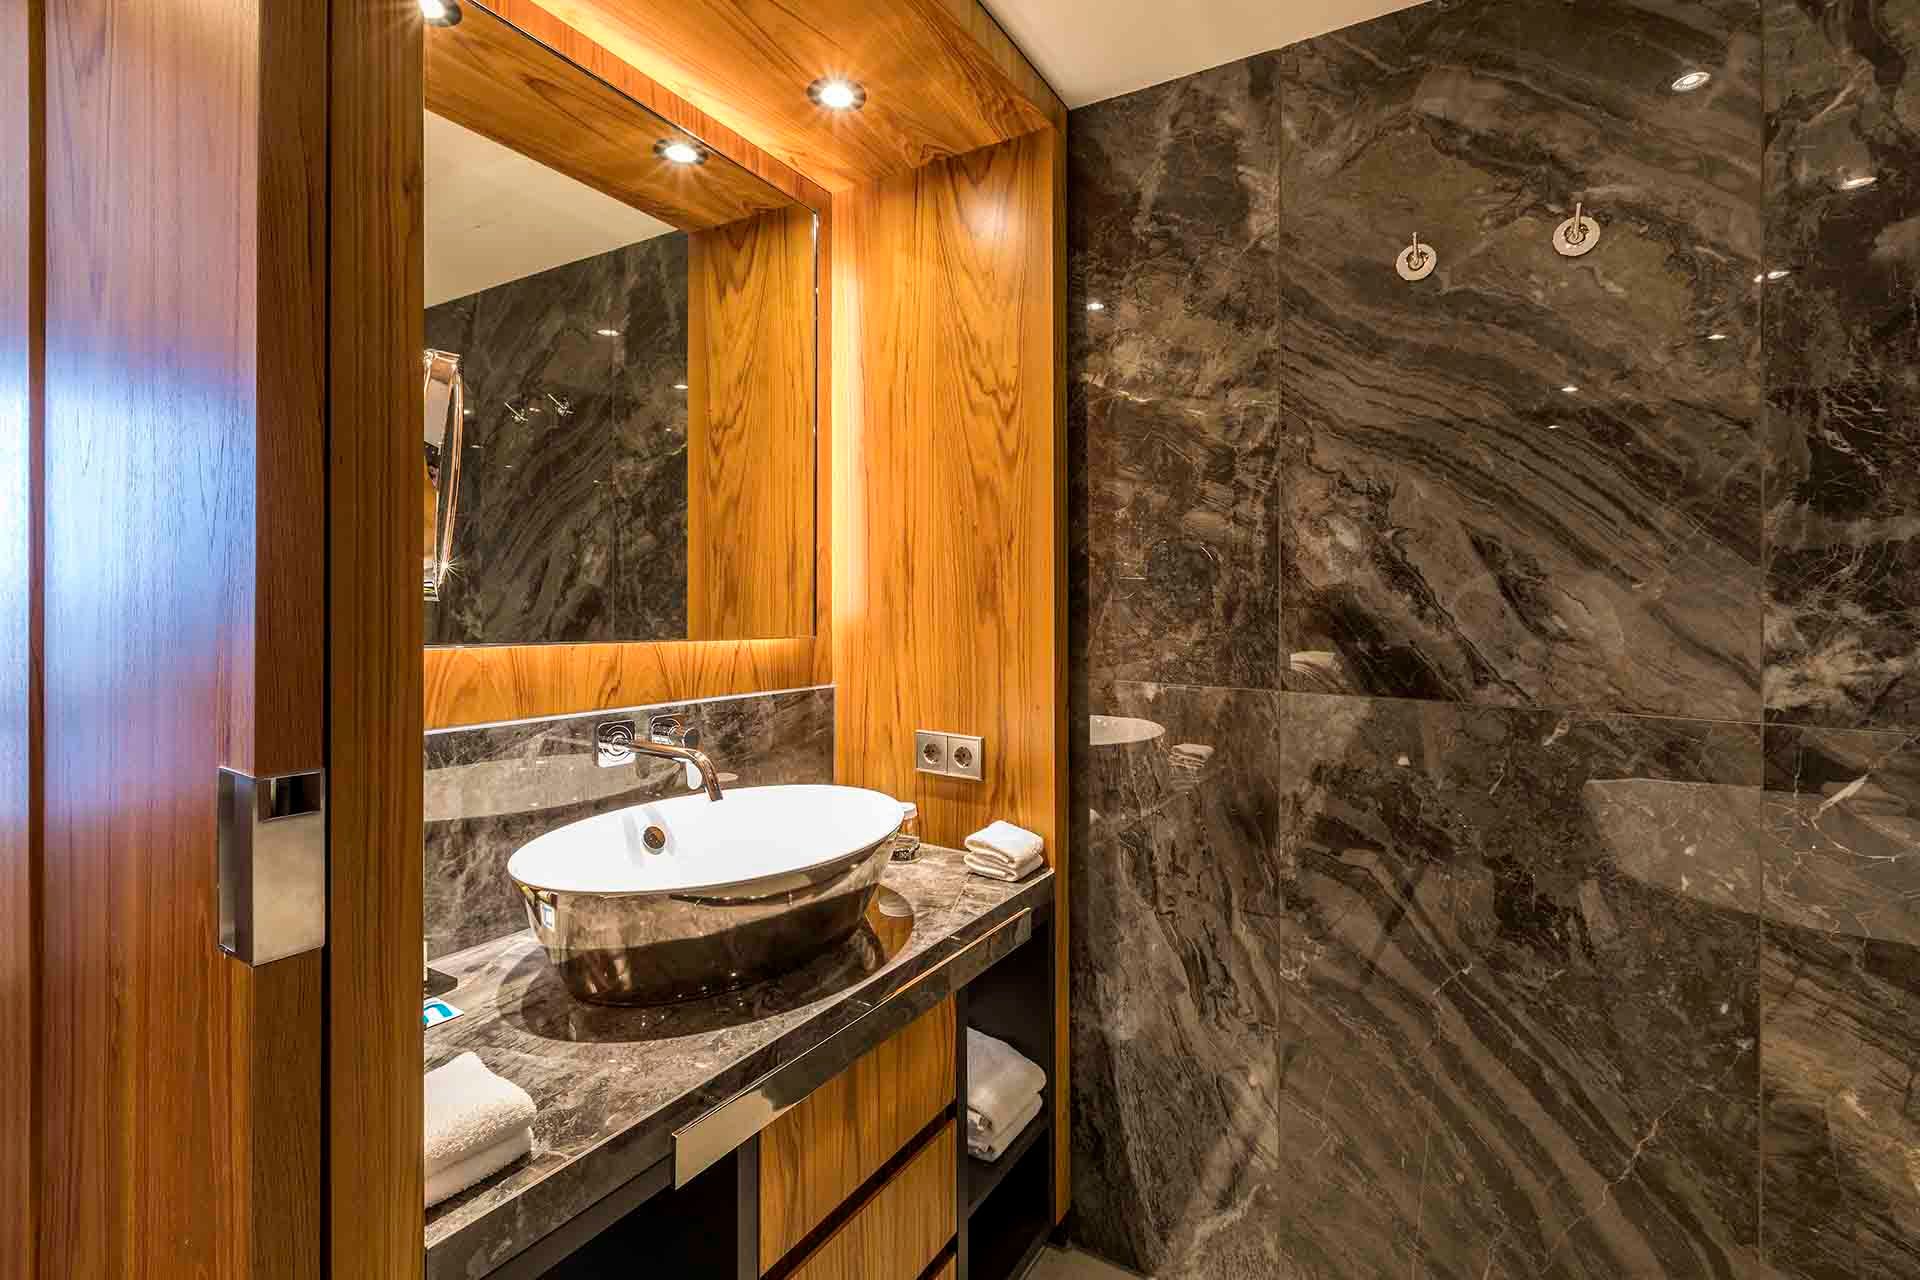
[668,738]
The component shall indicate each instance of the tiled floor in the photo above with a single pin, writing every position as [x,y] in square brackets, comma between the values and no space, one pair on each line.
[1071,1264]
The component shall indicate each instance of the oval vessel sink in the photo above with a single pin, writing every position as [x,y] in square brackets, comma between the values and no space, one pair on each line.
[688,897]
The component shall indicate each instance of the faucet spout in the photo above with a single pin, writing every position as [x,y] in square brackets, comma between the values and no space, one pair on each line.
[669,739]
[693,756]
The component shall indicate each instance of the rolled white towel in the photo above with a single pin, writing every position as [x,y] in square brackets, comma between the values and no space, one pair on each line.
[996,1147]
[1002,851]
[477,1124]
[999,1081]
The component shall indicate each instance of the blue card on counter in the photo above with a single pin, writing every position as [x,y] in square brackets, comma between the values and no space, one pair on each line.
[434,1012]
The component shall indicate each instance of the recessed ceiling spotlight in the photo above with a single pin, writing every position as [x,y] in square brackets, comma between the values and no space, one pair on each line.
[1690,81]
[1570,389]
[836,93]
[1553,426]
[679,386]
[1859,180]
[679,151]
[440,13]
[608,333]
[1716,337]
[1778,273]
[1096,305]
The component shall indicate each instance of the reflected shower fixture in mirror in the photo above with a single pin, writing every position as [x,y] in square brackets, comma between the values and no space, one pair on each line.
[446,413]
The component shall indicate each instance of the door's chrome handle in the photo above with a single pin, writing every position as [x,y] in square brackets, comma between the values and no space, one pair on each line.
[272,865]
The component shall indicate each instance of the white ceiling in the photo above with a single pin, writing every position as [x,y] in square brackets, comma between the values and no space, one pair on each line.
[1091,50]
[492,215]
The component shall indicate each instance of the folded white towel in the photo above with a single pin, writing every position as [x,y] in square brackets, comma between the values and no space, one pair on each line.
[1002,851]
[996,1147]
[999,1082]
[461,1174]
[476,1124]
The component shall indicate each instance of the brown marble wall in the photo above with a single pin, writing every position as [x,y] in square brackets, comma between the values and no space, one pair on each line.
[1499,807]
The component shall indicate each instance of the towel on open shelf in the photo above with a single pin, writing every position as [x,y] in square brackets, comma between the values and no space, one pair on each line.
[1000,1082]
[477,1123]
[991,1149]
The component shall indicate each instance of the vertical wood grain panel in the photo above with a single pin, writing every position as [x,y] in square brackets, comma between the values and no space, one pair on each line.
[375,1185]
[750,441]
[279,694]
[20,195]
[897,1234]
[816,1155]
[949,542]
[181,485]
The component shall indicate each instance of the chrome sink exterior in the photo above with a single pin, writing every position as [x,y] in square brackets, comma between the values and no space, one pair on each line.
[664,947]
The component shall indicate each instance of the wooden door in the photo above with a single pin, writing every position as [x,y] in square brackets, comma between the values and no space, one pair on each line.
[166,551]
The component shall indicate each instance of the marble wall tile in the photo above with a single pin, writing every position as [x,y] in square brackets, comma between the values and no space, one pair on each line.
[573,482]
[1520,1014]
[1458,525]
[1175,906]
[1173,395]
[490,790]
[1842,334]
[1840,1001]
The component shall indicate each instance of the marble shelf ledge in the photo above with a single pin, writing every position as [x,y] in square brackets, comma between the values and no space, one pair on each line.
[612,1085]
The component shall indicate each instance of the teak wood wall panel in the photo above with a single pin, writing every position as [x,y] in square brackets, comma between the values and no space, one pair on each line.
[375,633]
[819,1153]
[897,1234]
[486,76]
[942,79]
[179,1129]
[20,194]
[751,475]
[949,613]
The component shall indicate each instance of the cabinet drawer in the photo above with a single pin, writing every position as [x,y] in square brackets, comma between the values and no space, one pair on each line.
[901,1230]
[819,1153]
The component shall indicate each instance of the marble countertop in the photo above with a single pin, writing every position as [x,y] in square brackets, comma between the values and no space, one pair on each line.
[612,1085]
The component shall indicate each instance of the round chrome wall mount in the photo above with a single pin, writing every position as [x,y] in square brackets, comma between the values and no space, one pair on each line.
[1417,261]
[1577,235]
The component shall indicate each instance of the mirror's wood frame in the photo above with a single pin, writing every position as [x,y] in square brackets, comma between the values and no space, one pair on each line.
[483,684]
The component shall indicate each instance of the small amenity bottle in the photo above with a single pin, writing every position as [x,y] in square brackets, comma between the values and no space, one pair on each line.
[906,845]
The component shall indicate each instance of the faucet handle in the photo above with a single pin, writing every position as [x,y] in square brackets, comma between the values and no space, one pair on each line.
[673,731]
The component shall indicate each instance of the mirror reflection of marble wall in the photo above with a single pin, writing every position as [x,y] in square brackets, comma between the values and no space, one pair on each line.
[574,485]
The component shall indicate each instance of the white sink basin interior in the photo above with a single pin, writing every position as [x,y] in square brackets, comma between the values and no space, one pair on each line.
[754,834]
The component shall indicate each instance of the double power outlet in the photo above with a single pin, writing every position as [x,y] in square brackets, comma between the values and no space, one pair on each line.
[951,755]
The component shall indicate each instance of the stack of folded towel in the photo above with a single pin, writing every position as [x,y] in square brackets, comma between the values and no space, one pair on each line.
[1003,851]
[1003,1095]
[477,1124]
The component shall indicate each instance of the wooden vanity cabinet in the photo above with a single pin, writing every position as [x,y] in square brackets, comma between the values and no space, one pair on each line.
[880,1134]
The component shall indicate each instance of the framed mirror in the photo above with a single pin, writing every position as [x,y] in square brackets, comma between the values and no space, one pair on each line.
[627,322]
